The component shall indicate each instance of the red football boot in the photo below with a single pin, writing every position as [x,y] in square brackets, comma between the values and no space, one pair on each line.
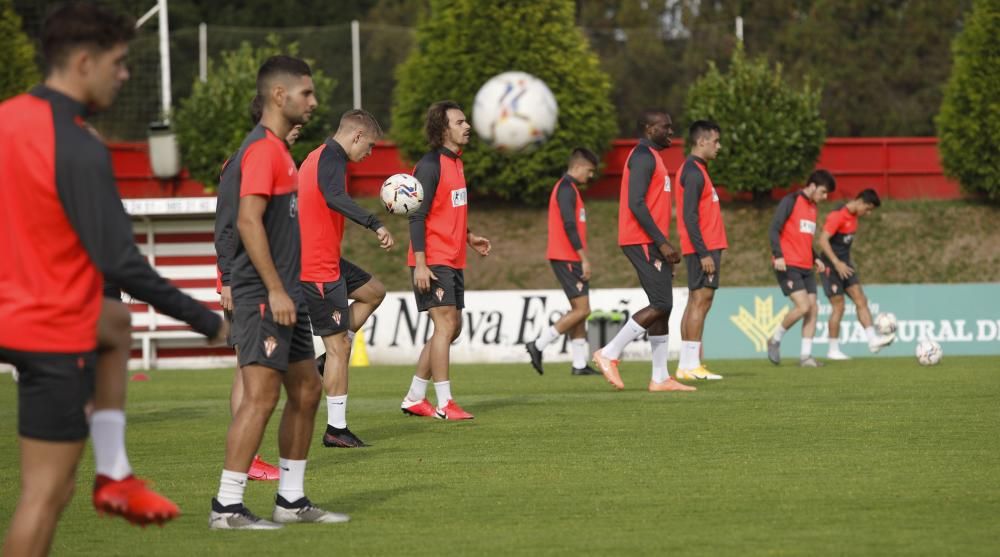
[262,471]
[133,501]
[452,411]
[418,408]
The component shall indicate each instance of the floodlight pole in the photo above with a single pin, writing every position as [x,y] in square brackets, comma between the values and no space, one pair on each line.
[160,9]
[203,52]
[356,61]
[739,28]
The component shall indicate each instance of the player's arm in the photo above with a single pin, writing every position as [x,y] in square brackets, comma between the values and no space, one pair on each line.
[641,168]
[693,183]
[428,172]
[566,200]
[225,239]
[781,216]
[333,185]
[86,187]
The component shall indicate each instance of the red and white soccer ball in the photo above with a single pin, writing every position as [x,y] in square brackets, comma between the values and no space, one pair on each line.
[514,111]
[885,324]
[929,353]
[401,194]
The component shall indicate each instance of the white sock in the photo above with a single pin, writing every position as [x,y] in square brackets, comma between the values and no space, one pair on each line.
[546,338]
[336,411]
[659,345]
[443,390]
[778,333]
[629,332]
[107,431]
[870,333]
[291,481]
[690,354]
[578,347]
[418,389]
[807,348]
[231,488]
[834,346]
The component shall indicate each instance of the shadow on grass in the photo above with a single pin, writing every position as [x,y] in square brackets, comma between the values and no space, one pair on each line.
[358,502]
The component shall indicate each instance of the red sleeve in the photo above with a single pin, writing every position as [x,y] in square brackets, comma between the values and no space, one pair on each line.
[833,222]
[257,170]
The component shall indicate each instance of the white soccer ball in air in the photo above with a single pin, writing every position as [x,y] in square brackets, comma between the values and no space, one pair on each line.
[401,194]
[929,353]
[514,111]
[885,324]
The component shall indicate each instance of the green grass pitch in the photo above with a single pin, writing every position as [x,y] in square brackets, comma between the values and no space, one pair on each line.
[868,457]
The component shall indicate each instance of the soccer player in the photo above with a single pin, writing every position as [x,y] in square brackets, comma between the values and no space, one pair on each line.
[567,253]
[841,275]
[438,234]
[225,243]
[791,234]
[703,239]
[270,321]
[63,227]
[328,280]
[643,225]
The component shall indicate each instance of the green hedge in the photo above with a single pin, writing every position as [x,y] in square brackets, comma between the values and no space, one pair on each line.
[212,123]
[772,133]
[18,71]
[462,43]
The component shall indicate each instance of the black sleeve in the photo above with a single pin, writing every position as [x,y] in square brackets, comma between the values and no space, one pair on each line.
[87,190]
[780,217]
[225,216]
[566,199]
[641,167]
[331,175]
[428,173]
[693,183]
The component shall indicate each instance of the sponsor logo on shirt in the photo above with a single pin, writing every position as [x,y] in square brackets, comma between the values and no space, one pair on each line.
[583,215]
[459,197]
[293,206]
[666,184]
[715,195]
[291,170]
[807,226]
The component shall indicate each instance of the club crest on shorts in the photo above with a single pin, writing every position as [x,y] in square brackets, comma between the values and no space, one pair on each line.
[579,286]
[834,288]
[711,277]
[439,294]
[658,264]
[270,345]
[790,285]
[336,316]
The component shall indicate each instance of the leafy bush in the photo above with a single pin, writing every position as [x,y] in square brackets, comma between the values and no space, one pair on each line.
[18,71]
[771,133]
[969,121]
[463,43]
[212,123]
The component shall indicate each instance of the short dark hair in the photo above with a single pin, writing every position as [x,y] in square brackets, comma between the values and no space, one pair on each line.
[646,119]
[279,65]
[870,197]
[363,119]
[437,122]
[256,109]
[82,24]
[582,153]
[701,127]
[822,177]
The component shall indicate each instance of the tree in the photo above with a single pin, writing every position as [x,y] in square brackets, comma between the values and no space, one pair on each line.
[771,132]
[18,71]
[465,42]
[969,121]
[212,123]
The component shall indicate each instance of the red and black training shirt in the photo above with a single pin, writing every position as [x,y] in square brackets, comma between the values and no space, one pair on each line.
[439,227]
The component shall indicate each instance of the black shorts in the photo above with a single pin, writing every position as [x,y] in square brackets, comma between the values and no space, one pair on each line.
[833,285]
[328,306]
[447,290]
[52,393]
[570,277]
[696,277]
[656,275]
[228,316]
[263,342]
[795,279]
[354,277]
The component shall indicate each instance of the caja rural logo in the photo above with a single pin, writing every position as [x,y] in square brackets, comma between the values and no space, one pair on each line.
[759,325]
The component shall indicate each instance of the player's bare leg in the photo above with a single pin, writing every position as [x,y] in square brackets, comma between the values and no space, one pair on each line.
[304,389]
[692,329]
[48,477]
[837,308]
[808,332]
[116,490]
[801,306]
[447,326]
[608,355]
[260,470]
[236,393]
[335,384]
[875,341]
[574,323]
[367,298]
